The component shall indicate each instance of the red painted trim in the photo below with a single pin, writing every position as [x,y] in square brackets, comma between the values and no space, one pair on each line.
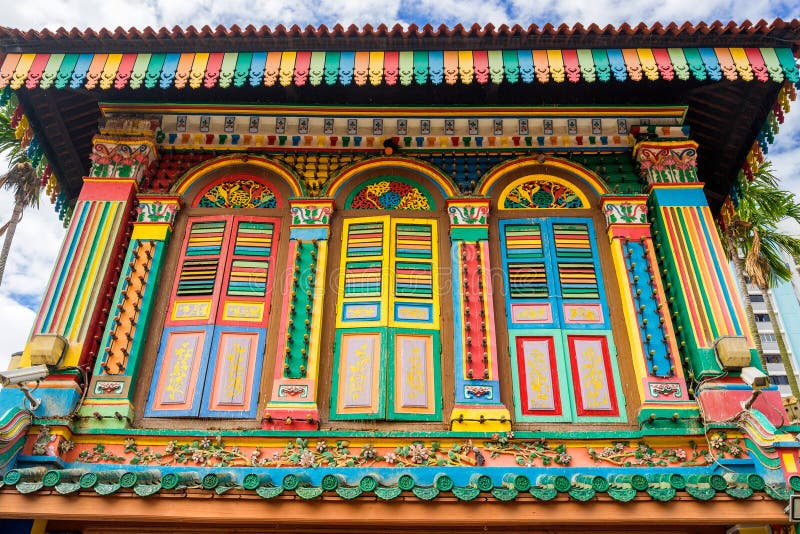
[212,69]
[391,66]
[664,63]
[221,262]
[576,385]
[631,231]
[111,189]
[757,62]
[226,267]
[36,70]
[301,65]
[572,65]
[124,70]
[523,393]
[480,58]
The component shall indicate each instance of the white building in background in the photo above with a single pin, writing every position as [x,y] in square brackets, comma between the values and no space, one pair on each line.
[786,303]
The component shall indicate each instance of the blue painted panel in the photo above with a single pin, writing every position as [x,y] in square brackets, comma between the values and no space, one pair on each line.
[436,66]
[210,371]
[197,387]
[79,72]
[712,64]
[594,261]
[515,304]
[346,65]
[424,312]
[308,234]
[257,68]
[361,311]
[617,62]
[655,348]
[680,196]
[168,70]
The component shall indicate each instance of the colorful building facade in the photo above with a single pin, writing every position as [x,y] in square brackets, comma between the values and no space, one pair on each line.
[388,279]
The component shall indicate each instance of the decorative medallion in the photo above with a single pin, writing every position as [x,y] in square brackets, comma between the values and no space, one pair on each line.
[389,194]
[239,193]
[541,193]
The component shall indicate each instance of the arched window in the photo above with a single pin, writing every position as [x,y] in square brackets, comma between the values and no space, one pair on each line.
[212,347]
[563,357]
[387,343]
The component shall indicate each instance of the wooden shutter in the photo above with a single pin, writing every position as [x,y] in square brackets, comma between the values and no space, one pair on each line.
[386,358]
[413,344]
[212,347]
[555,300]
[359,383]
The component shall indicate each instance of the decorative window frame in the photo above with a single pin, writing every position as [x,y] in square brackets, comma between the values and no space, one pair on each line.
[192,188]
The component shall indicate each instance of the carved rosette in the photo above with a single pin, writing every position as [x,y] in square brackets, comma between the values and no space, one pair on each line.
[625,210]
[667,162]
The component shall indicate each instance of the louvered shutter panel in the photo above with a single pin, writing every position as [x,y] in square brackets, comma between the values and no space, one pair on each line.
[563,366]
[189,327]
[237,354]
[414,345]
[360,351]
[212,348]
[535,340]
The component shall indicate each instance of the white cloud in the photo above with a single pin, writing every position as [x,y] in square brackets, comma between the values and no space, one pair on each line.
[15,325]
[604,12]
[30,263]
[137,13]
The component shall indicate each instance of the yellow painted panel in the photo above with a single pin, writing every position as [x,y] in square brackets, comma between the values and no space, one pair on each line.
[155,231]
[383,259]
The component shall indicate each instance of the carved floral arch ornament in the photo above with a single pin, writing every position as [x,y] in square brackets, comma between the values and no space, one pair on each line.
[265,174]
[392,193]
[239,190]
[542,191]
[566,181]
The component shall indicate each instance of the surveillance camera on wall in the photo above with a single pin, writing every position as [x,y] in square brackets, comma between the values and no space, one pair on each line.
[754,378]
[23,375]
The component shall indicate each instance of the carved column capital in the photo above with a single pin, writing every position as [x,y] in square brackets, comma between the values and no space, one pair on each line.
[624,209]
[115,156]
[667,161]
[308,212]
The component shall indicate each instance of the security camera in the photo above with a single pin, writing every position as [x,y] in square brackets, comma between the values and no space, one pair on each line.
[754,378]
[23,375]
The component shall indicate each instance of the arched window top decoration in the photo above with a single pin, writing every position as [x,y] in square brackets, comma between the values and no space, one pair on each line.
[542,192]
[389,193]
[241,191]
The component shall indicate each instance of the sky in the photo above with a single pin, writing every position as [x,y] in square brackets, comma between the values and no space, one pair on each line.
[40,233]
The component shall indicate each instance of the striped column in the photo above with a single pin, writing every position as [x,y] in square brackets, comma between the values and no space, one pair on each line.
[78,297]
[293,401]
[477,383]
[108,402]
[704,301]
[660,380]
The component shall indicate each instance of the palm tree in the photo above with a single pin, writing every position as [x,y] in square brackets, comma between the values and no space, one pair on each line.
[21,178]
[755,245]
